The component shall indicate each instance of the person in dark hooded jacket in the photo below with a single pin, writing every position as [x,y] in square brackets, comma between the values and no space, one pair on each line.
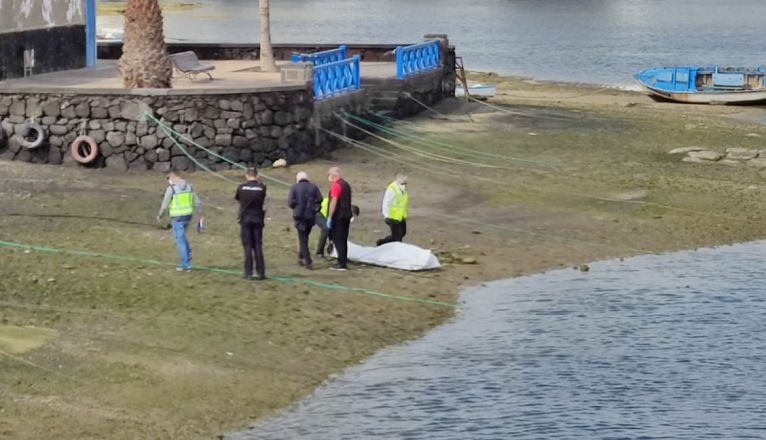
[305,200]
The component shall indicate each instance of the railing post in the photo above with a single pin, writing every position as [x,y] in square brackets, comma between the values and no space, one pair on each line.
[91,49]
[343,51]
[400,62]
[357,72]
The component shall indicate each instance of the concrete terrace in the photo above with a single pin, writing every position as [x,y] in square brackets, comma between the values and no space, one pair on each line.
[230,76]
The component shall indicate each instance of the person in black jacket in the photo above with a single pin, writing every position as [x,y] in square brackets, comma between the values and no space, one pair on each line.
[251,196]
[305,200]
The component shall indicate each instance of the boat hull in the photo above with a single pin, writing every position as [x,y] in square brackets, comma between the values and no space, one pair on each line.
[743,97]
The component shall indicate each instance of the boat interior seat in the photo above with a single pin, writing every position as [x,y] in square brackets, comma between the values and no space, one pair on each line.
[729,80]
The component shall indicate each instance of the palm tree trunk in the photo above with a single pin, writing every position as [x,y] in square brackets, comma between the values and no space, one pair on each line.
[144,62]
[267,54]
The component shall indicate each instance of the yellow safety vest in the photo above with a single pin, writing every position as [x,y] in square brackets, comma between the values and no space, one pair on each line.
[324,209]
[400,205]
[181,204]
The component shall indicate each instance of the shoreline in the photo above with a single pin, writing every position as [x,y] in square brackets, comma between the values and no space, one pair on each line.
[608,190]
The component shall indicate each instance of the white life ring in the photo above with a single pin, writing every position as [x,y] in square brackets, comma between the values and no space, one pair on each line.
[84,153]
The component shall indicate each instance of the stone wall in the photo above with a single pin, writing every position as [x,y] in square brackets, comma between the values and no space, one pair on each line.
[249,128]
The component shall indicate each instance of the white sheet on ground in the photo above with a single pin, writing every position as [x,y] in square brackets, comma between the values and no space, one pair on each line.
[394,255]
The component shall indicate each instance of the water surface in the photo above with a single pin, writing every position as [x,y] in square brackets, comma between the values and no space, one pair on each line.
[594,41]
[654,347]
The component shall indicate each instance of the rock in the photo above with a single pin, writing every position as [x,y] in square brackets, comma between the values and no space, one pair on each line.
[468,260]
[52,107]
[134,110]
[171,116]
[283,118]
[55,157]
[223,140]
[240,142]
[94,125]
[18,108]
[247,112]
[275,132]
[148,142]
[219,123]
[729,162]
[196,129]
[163,155]
[97,135]
[151,156]
[245,155]
[191,114]
[34,108]
[108,126]
[753,135]
[181,163]
[99,113]
[250,134]
[14,143]
[106,149]
[114,112]
[142,129]
[706,155]
[224,104]
[131,139]
[233,123]
[584,268]
[267,117]
[684,150]
[162,167]
[279,163]
[115,138]
[56,141]
[695,160]
[58,130]
[738,153]
[82,110]
[68,112]
[236,106]
[116,162]
[757,163]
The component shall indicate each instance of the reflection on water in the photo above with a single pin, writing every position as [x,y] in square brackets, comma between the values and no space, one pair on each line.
[653,347]
[595,41]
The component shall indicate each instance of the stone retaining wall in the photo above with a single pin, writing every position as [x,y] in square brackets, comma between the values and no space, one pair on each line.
[250,128]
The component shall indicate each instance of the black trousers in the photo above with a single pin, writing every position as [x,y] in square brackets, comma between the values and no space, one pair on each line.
[398,231]
[321,222]
[339,237]
[304,230]
[252,242]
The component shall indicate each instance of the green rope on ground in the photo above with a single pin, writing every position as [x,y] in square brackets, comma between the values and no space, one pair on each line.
[441,145]
[283,279]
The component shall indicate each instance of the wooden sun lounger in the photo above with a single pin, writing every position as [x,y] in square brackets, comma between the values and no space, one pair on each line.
[188,66]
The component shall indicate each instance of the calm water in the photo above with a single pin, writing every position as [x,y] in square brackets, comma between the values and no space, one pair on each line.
[653,347]
[596,41]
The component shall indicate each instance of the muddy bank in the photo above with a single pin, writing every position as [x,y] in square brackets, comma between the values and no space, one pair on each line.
[556,177]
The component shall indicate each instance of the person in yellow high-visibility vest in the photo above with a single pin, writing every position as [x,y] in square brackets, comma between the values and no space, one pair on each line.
[396,205]
[180,201]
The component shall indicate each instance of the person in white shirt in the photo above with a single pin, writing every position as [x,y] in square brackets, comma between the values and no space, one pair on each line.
[395,209]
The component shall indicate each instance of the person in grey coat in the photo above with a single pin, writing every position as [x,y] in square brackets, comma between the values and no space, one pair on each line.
[304,199]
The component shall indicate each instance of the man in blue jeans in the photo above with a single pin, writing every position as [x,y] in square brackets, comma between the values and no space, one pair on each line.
[180,201]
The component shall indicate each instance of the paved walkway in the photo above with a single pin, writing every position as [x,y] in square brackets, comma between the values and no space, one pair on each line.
[228,75]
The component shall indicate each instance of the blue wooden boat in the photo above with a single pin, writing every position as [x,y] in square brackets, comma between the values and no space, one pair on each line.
[705,85]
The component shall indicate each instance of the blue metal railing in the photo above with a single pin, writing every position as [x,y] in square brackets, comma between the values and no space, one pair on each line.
[418,58]
[320,58]
[337,78]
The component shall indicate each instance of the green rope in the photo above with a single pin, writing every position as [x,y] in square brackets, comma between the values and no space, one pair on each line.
[442,145]
[283,279]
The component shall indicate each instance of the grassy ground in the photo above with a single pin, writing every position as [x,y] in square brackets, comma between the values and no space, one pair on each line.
[104,348]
